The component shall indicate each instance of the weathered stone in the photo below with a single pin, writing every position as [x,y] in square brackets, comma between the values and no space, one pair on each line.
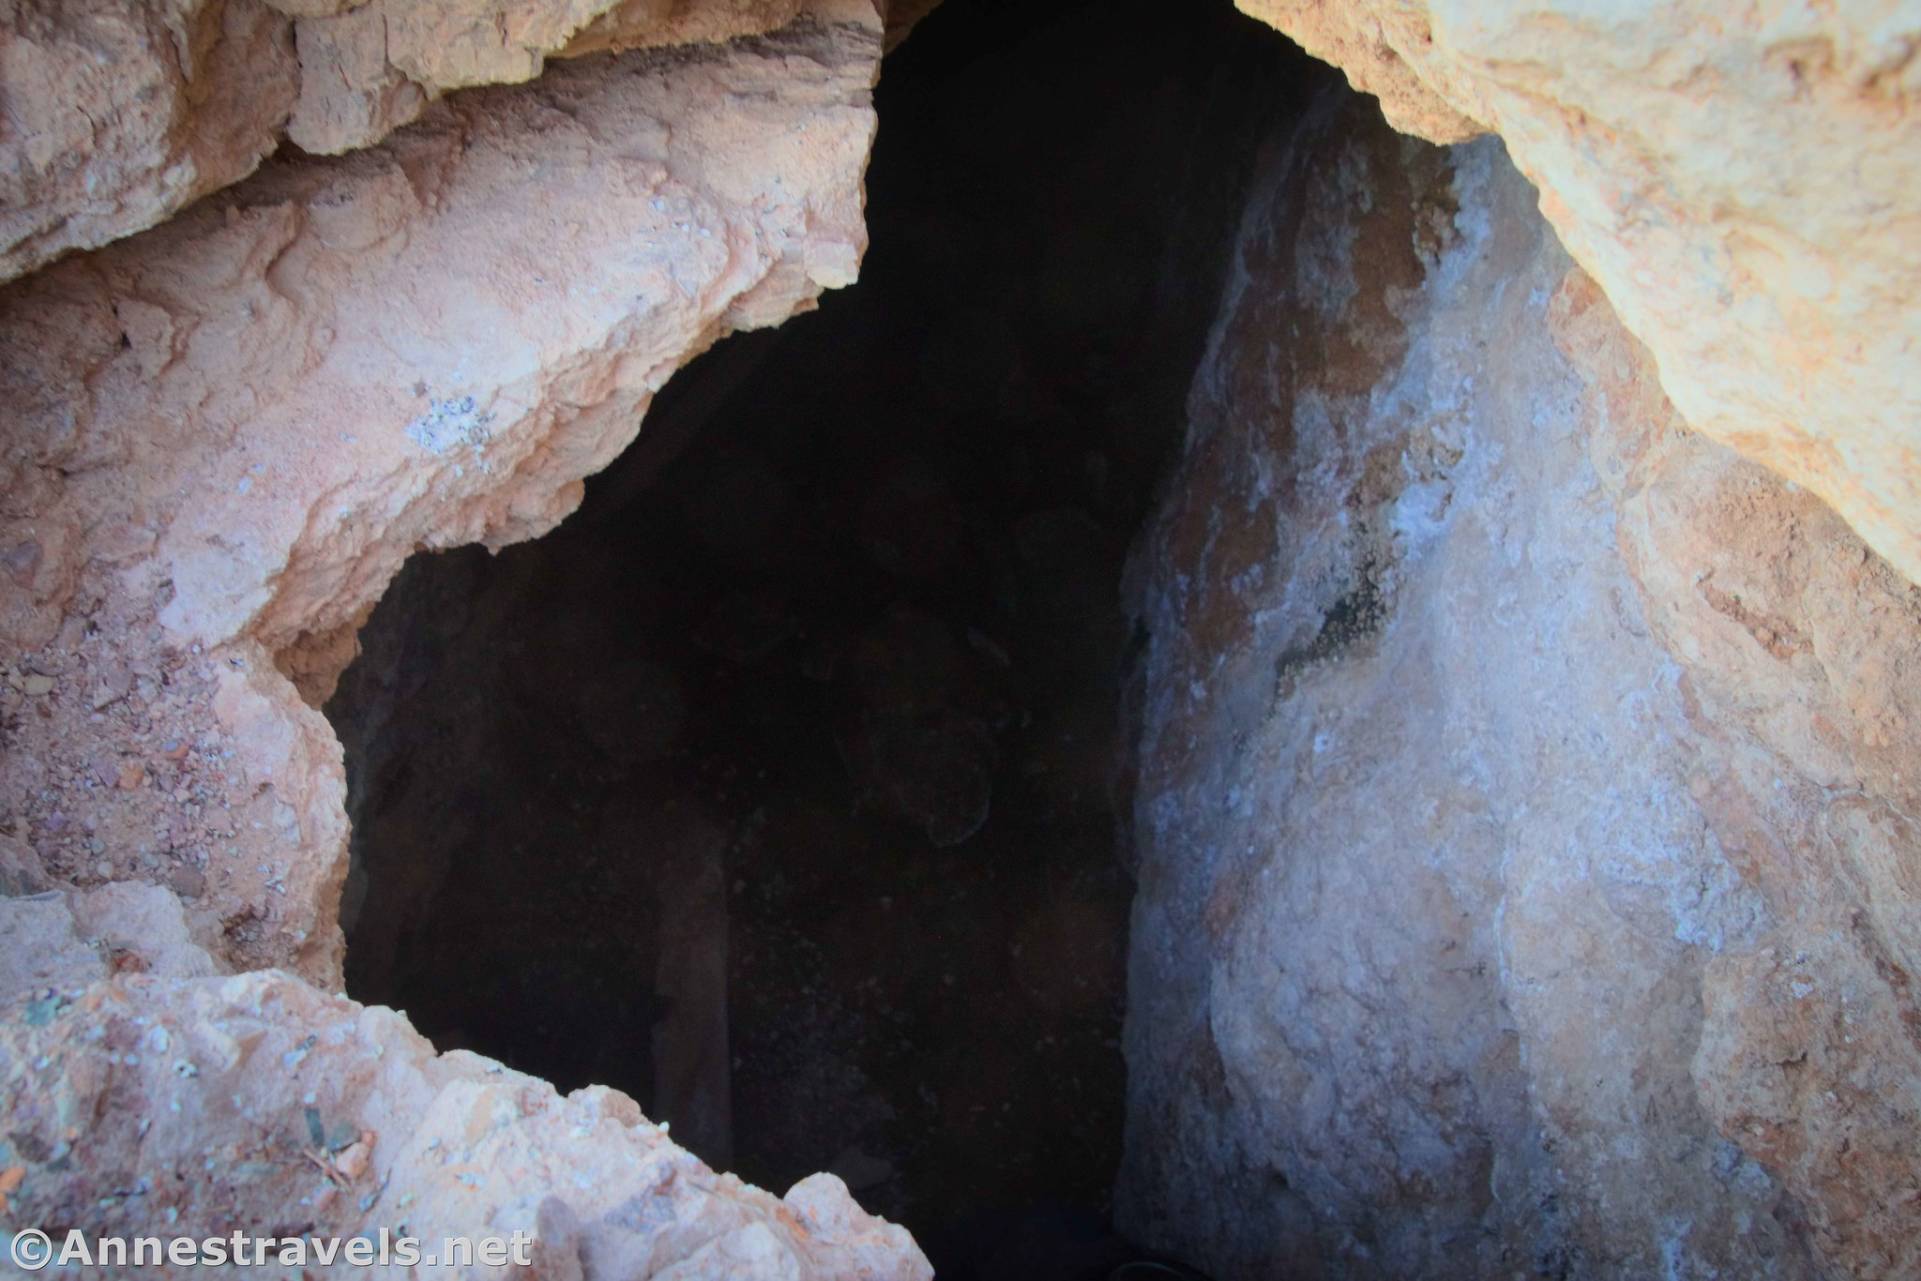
[229,432]
[1741,185]
[374,67]
[1527,861]
[1740,189]
[1525,852]
[122,114]
[257,1104]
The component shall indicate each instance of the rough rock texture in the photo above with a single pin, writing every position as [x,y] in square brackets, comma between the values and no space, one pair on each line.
[1742,185]
[229,432]
[848,599]
[1526,789]
[903,16]
[114,115]
[164,1102]
[1742,188]
[369,68]
[117,115]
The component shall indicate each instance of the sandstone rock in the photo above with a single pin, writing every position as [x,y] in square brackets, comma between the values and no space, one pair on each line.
[59,941]
[124,114]
[1742,186]
[1527,867]
[1526,871]
[229,432]
[257,1103]
[1798,648]
[903,16]
[373,67]
[44,950]
[119,114]
[140,929]
[1625,124]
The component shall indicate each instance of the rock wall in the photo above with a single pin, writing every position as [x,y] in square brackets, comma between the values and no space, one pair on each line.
[1524,789]
[1742,189]
[229,432]
[121,114]
[1741,185]
[1525,782]
[209,1104]
[224,436]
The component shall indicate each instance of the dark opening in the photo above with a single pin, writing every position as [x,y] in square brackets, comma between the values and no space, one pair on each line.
[777,787]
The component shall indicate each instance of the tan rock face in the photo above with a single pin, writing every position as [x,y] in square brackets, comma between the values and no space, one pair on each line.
[231,431]
[226,434]
[1528,870]
[1742,186]
[121,114]
[1525,785]
[258,1104]
[370,68]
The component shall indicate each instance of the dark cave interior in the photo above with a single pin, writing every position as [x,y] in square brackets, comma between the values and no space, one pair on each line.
[780,787]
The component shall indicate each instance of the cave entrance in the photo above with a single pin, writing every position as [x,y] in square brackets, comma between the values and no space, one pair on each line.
[776,787]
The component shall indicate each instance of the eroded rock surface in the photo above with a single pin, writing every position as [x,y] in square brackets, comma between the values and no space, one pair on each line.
[117,114]
[367,68]
[1742,186]
[256,1104]
[225,436]
[1526,852]
[121,114]
[1525,827]
[228,433]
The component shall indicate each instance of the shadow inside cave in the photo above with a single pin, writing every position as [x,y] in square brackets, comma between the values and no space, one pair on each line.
[778,788]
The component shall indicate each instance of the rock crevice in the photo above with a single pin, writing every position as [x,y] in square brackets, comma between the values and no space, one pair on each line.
[1521,783]
[228,434]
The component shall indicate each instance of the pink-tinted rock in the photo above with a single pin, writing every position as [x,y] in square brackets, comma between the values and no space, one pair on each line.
[257,1104]
[1741,183]
[229,432]
[122,114]
[1525,781]
[118,114]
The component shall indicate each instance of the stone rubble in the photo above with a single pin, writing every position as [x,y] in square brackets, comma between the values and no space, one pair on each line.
[144,1095]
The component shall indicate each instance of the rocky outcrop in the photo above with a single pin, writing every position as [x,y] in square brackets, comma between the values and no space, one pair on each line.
[367,68]
[120,115]
[117,115]
[1525,798]
[1525,790]
[256,1104]
[228,433]
[1739,189]
[1741,186]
